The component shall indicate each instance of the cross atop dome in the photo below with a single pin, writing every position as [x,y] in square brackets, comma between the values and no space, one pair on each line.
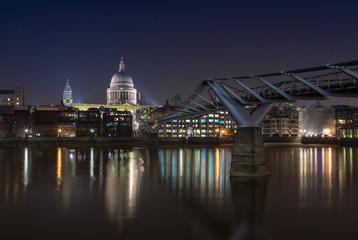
[121,65]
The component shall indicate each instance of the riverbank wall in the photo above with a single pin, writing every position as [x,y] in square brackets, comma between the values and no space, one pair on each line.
[129,142]
[121,142]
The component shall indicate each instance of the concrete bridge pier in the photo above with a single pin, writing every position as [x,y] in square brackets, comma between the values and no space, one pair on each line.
[153,139]
[153,133]
[248,159]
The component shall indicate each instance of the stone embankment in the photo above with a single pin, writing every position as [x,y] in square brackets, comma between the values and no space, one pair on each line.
[349,142]
[121,142]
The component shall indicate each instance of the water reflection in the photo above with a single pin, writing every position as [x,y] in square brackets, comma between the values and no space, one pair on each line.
[27,167]
[249,195]
[176,192]
[200,172]
[314,184]
[59,168]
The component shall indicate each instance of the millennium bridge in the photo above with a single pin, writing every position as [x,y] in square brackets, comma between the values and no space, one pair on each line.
[248,99]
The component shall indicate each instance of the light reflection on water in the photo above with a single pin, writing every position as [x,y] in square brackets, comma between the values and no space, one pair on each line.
[185,191]
[198,173]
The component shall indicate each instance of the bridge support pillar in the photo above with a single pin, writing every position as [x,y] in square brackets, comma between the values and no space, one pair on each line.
[248,159]
[153,139]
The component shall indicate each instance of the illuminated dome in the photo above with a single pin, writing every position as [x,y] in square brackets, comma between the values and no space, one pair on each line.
[121,88]
[121,78]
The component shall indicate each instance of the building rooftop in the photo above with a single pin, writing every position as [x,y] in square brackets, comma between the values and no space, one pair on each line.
[6,91]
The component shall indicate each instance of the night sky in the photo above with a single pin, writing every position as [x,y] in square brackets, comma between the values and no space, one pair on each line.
[168,46]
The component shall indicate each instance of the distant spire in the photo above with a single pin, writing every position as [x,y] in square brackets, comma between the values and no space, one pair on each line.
[68,87]
[121,65]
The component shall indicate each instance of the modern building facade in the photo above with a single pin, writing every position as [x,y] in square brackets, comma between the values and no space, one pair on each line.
[218,124]
[106,122]
[12,97]
[346,118]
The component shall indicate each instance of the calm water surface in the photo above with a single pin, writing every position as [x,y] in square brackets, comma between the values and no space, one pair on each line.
[176,193]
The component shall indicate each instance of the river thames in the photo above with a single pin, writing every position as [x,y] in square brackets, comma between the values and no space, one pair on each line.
[177,193]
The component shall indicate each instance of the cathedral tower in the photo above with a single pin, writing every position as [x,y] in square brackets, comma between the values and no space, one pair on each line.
[67,95]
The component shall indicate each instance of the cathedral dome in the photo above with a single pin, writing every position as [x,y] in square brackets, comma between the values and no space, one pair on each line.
[121,89]
[121,78]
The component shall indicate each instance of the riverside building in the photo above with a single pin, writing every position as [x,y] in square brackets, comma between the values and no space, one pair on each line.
[346,118]
[282,121]
[55,121]
[218,124]
[12,97]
